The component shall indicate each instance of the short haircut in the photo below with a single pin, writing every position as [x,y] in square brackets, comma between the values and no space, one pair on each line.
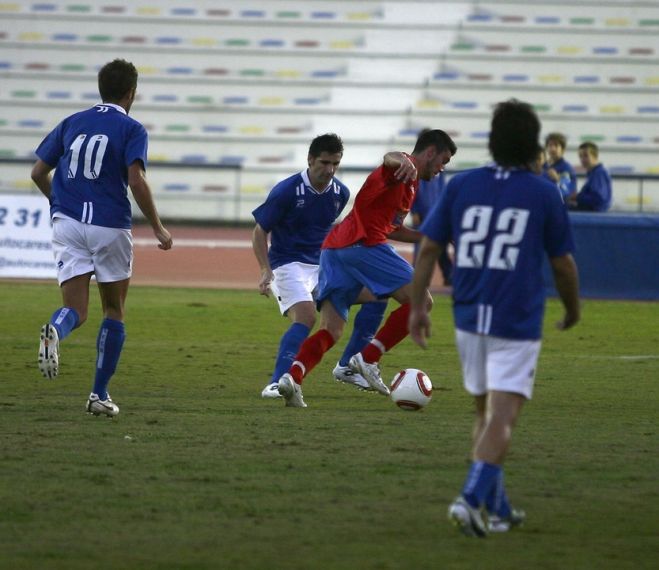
[329,143]
[514,134]
[558,138]
[591,147]
[116,79]
[434,137]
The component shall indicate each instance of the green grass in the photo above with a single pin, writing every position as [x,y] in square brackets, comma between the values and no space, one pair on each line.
[198,472]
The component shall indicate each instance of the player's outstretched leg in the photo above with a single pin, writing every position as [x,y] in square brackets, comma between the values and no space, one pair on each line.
[61,323]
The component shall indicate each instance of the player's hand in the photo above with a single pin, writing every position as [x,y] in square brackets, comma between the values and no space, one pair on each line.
[406,172]
[165,238]
[420,327]
[264,284]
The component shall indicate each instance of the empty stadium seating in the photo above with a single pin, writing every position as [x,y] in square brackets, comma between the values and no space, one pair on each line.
[250,83]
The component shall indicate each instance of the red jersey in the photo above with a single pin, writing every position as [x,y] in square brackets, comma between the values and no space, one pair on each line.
[380,208]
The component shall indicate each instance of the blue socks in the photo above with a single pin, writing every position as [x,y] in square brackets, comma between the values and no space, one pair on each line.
[64,320]
[497,502]
[288,347]
[481,482]
[109,343]
[367,321]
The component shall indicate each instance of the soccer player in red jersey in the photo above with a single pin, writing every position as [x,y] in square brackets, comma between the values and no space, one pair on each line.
[357,265]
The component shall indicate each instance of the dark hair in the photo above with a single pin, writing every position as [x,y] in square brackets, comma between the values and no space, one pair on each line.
[514,134]
[329,143]
[115,79]
[558,138]
[591,147]
[434,137]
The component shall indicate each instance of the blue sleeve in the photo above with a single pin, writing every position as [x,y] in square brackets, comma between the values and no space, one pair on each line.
[437,224]
[596,192]
[137,145]
[51,148]
[275,207]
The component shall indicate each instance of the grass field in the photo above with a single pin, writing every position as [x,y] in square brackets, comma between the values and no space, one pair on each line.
[198,472]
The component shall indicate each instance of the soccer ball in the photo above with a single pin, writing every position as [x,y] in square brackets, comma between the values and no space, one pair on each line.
[411,389]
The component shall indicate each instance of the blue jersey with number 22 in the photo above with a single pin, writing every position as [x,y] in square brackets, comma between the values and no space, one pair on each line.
[502,222]
[91,152]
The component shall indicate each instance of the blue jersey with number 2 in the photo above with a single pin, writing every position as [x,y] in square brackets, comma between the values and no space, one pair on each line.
[502,223]
[91,152]
[298,217]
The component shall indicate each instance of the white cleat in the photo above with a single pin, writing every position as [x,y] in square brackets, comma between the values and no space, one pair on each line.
[346,375]
[291,391]
[466,518]
[271,391]
[370,372]
[96,406]
[49,351]
[496,523]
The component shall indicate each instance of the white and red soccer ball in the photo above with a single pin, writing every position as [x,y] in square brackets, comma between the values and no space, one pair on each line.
[411,389]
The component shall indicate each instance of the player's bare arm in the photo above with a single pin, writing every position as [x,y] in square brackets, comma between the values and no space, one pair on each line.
[41,177]
[566,278]
[419,321]
[260,247]
[144,198]
[405,169]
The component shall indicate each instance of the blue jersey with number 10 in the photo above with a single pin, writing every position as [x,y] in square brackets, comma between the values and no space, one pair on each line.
[502,222]
[91,152]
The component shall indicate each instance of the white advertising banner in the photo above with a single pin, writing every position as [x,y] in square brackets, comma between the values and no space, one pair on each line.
[25,237]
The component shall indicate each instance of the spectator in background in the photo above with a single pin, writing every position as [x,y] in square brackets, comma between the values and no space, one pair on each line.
[426,197]
[556,168]
[595,194]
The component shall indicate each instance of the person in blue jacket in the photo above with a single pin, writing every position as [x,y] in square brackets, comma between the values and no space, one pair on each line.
[556,168]
[595,194]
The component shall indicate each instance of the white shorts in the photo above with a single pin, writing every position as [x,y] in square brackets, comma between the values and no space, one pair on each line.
[493,363]
[82,248]
[293,283]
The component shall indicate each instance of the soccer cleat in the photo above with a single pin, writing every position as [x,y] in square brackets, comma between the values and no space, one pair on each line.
[467,519]
[496,523]
[96,406]
[291,391]
[271,391]
[49,351]
[346,375]
[370,372]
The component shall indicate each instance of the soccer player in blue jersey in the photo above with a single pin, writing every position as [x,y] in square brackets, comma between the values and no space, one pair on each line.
[297,215]
[97,154]
[503,219]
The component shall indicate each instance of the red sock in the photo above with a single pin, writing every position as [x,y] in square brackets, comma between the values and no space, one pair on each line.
[311,353]
[392,332]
